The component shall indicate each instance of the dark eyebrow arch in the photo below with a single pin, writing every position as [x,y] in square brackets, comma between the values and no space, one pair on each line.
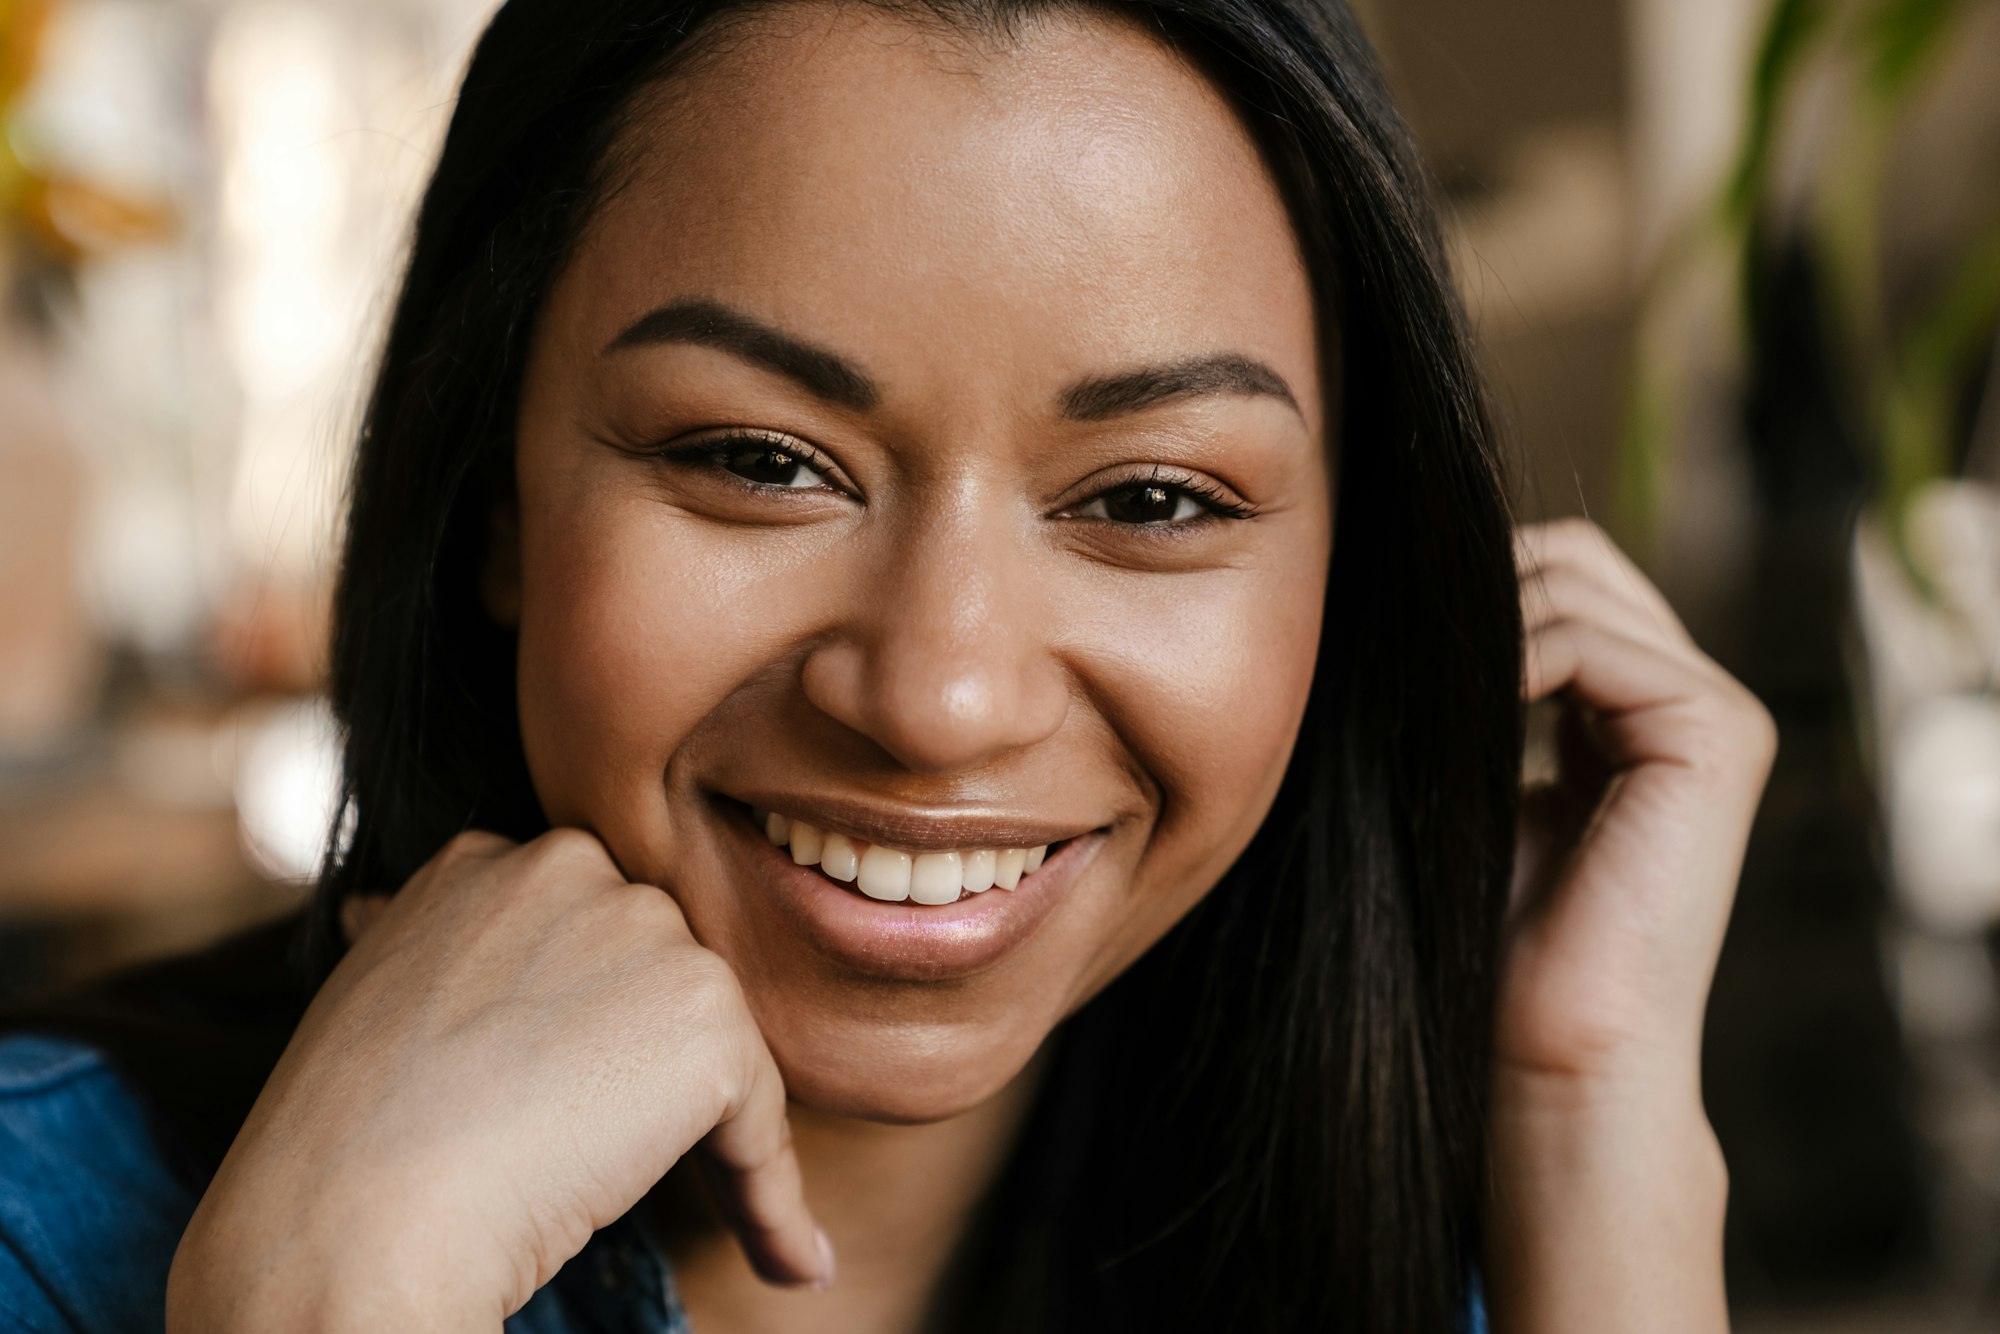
[711,324]
[1105,396]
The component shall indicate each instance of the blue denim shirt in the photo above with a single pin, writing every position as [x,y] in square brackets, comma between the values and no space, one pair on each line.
[90,1215]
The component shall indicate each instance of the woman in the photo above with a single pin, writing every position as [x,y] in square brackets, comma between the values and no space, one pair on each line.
[929,626]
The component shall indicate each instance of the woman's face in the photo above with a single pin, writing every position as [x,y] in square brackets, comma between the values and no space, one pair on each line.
[927,444]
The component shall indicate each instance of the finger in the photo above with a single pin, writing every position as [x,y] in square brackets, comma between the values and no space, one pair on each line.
[1551,592]
[755,1171]
[1652,705]
[1588,548]
[359,912]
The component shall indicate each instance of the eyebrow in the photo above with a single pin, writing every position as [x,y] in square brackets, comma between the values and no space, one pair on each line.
[1104,396]
[831,377]
[825,374]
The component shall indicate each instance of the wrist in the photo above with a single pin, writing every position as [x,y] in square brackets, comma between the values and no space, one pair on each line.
[208,1298]
[1605,1209]
[315,1295]
[255,1265]
[1630,1152]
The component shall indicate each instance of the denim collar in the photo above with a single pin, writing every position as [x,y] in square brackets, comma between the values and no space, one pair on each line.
[621,1283]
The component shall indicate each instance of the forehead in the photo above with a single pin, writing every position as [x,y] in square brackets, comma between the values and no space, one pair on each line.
[1075,196]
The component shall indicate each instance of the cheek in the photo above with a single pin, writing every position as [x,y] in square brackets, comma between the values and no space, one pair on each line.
[1209,678]
[632,628]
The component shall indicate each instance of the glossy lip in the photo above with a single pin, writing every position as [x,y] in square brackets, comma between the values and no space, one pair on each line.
[908,942]
[914,830]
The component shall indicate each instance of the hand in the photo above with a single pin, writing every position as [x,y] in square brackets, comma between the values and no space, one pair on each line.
[1629,862]
[1608,1182]
[517,1048]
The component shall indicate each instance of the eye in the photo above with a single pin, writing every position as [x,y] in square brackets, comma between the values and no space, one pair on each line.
[776,463]
[1162,502]
[1149,502]
[767,465]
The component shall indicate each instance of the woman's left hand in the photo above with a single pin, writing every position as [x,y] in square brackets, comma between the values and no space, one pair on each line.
[1607,1209]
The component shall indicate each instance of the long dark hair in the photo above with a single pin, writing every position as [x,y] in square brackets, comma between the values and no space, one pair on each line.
[1274,1121]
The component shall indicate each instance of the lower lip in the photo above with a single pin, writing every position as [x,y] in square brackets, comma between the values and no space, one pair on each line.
[905,941]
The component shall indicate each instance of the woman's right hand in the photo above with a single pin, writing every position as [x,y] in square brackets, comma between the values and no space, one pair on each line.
[512,1055]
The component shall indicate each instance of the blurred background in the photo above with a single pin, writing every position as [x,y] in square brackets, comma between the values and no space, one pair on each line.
[1736,268]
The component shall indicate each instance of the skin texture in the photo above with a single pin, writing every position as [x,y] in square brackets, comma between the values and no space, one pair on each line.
[952,633]
[953,619]
[1609,1187]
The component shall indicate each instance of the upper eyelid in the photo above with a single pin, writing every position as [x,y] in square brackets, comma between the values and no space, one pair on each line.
[716,446]
[776,440]
[1213,496]
[1193,483]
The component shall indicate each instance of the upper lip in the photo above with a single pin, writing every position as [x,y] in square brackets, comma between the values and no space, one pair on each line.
[914,828]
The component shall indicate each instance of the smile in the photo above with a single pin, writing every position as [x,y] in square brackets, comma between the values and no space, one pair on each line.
[900,909]
[892,875]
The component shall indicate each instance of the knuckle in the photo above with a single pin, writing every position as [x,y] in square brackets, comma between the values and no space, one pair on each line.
[472,844]
[1553,585]
[764,1143]
[1741,735]
[1586,544]
[1758,727]
[710,1003]
[776,1148]
[657,910]
[638,917]
[568,844]
[711,986]
[1563,624]
[457,861]
[1574,530]
[571,861]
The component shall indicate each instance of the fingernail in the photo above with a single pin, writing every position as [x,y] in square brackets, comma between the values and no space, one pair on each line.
[825,1260]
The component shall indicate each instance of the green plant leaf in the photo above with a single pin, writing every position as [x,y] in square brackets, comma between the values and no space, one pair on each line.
[1788,38]
[1899,40]
[1646,441]
[1941,348]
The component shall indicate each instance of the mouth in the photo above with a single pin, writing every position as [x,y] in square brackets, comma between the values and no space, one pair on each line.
[888,874]
[906,911]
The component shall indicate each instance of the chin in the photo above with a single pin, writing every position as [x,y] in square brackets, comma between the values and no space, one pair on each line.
[902,1075]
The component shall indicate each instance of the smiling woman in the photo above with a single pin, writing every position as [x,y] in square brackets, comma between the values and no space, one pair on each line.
[929,627]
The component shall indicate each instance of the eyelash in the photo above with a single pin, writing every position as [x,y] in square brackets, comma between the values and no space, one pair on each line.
[713,451]
[1205,493]
[1216,503]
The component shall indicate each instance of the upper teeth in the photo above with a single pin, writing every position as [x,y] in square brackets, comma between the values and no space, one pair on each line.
[893,876]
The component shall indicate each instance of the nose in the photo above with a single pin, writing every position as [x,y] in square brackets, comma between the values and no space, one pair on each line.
[945,658]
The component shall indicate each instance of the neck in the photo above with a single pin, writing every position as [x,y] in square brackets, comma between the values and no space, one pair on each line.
[896,1200]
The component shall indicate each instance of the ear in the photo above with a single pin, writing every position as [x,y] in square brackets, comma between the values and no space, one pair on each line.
[500,577]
